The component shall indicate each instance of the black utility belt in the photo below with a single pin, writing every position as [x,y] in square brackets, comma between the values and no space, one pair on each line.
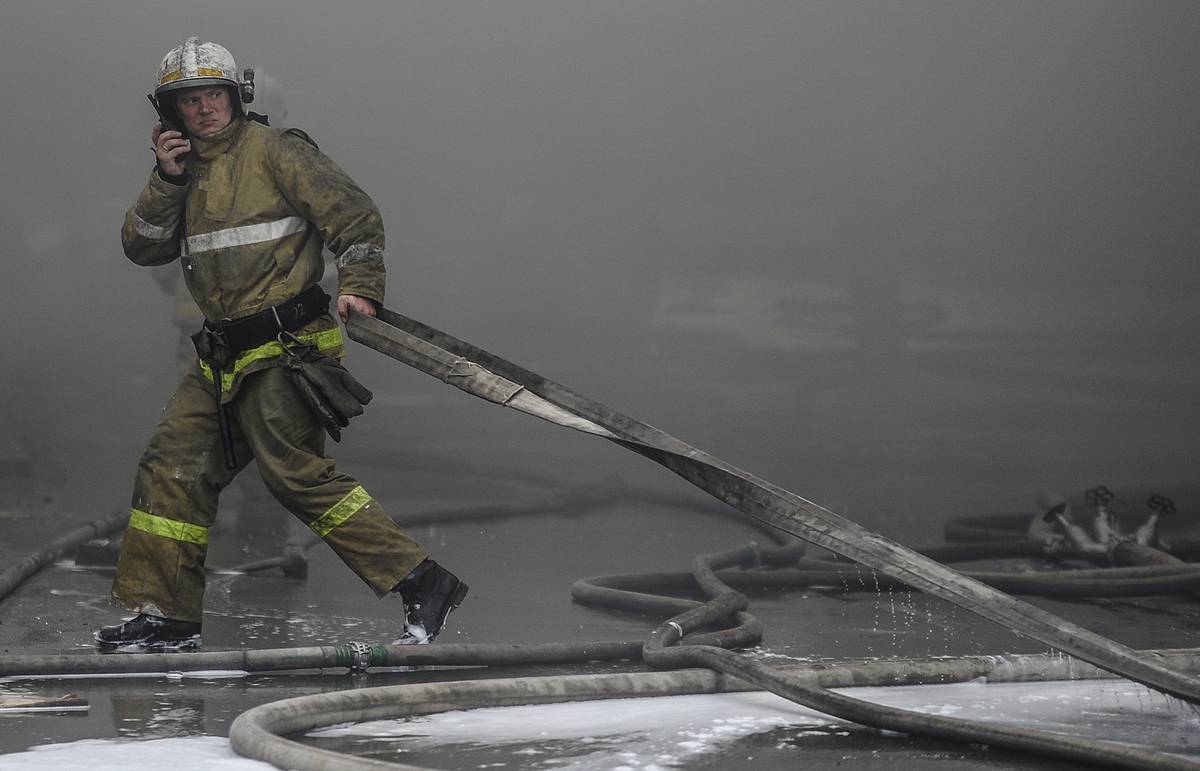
[242,334]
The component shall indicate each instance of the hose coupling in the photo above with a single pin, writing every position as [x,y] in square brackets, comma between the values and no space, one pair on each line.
[360,656]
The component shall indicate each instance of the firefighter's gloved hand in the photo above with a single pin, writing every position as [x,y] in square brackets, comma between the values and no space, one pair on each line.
[332,392]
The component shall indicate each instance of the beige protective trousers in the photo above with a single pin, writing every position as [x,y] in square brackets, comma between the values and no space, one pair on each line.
[182,472]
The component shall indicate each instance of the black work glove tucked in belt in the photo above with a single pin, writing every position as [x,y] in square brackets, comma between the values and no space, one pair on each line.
[330,390]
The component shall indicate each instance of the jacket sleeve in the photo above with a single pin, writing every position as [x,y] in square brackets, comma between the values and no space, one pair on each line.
[151,231]
[345,216]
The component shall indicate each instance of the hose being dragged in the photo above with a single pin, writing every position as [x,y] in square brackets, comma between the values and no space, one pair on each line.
[490,377]
[766,503]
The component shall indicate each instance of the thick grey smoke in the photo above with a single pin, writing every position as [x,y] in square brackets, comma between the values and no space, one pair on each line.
[936,253]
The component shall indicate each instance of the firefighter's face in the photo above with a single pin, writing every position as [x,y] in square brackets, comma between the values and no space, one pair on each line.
[204,110]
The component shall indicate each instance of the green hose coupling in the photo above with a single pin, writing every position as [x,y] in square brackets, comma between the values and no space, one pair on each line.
[359,656]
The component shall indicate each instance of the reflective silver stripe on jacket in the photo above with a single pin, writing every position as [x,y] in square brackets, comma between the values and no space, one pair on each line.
[152,231]
[244,235]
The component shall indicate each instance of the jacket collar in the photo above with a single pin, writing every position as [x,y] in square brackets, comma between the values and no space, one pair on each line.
[208,148]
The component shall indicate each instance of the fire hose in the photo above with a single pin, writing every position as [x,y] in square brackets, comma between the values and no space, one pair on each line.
[490,377]
[482,374]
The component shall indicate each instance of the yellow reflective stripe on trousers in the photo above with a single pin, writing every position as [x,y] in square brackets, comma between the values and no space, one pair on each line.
[330,338]
[168,528]
[341,511]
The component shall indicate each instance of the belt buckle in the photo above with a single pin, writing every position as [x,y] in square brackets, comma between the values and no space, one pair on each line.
[283,336]
[217,329]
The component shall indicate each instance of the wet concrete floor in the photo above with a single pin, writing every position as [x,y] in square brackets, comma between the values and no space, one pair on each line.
[957,432]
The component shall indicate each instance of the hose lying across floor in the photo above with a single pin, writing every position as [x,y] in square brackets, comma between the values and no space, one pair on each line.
[255,734]
[1105,582]
[11,578]
[662,650]
[758,568]
[259,732]
[706,629]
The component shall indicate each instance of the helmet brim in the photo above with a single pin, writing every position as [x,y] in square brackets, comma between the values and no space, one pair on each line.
[176,85]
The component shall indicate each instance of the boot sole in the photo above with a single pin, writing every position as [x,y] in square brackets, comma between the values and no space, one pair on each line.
[132,646]
[192,643]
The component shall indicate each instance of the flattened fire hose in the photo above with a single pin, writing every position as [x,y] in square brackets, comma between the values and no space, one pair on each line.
[490,377]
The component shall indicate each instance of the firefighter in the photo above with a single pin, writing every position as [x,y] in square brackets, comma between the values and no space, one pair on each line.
[247,210]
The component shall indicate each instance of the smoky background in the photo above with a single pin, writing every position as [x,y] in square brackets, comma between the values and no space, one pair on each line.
[906,259]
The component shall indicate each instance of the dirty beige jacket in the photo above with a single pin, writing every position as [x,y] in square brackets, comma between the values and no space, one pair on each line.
[249,227]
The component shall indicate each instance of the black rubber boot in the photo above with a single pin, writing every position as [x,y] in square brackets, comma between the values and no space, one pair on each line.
[430,592]
[154,632]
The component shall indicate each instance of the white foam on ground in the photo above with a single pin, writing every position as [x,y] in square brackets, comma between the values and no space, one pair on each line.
[666,732]
[186,753]
[661,733]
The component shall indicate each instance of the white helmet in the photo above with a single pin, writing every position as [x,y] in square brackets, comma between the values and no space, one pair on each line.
[194,64]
